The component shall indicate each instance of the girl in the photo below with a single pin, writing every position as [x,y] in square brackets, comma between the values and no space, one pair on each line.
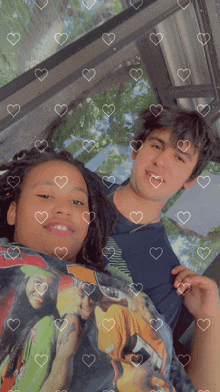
[57,217]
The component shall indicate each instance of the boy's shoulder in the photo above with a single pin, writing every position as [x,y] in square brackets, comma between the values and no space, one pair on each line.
[109,186]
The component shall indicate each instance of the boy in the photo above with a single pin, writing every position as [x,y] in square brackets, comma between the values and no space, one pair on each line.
[171,151]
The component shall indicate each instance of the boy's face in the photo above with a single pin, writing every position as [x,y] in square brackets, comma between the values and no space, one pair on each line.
[64,207]
[164,160]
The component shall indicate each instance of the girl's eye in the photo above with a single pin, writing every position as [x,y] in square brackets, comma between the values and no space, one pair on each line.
[77,202]
[44,196]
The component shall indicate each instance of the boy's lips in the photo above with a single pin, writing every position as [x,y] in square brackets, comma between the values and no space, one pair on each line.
[155,176]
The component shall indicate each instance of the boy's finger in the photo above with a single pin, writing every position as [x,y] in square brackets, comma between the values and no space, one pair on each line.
[182,276]
[178,269]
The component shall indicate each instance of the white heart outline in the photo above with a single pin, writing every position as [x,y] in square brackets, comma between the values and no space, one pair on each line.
[13,36]
[156,34]
[203,179]
[181,212]
[55,251]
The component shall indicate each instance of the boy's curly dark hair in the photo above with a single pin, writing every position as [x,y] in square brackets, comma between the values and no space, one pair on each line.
[99,229]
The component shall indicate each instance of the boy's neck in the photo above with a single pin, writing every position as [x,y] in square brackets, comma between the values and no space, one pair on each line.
[126,201]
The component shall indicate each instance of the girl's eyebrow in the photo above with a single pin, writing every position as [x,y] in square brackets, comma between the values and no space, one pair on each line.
[49,183]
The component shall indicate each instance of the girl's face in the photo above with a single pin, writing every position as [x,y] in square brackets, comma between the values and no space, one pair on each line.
[39,289]
[59,209]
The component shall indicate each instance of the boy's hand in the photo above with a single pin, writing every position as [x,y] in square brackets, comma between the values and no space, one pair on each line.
[202,300]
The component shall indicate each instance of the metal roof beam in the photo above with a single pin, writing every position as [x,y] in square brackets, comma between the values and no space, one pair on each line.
[191,91]
[65,67]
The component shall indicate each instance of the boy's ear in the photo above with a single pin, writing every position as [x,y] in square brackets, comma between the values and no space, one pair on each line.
[190,183]
[134,154]
[11,214]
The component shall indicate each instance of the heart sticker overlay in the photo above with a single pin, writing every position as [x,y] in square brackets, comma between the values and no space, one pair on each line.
[113,391]
[156,182]
[59,109]
[136,145]
[41,74]
[135,4]
[60,251]
[184,359]
[108,252]
[108,324]
[135,216]
[202,183]
[62,326]
[86,144]
[13,252]
[180,2]
[203,38]
[13,181]
[88,288]
[200,252]
[88,3]
[110,179]
[41,359]
[61,38]
[135,72]
[13,110]
[136,359]
[13,38]
[156,252]
[61,181]
[152,321]
[41,216]
[41,288]
[201,322]
[107,107]
[87,216]
[156,109]
[156,38]
[88,74]
[184,74]
[136,286]
[41,3]
[88,359]
[58,390]
[182,143]
[181,214]
[201,107]
[108,38]
[182,291]
[41,145]
[13,324]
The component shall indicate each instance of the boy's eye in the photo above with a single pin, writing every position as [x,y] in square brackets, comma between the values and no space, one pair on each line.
[181,159]
[157,147]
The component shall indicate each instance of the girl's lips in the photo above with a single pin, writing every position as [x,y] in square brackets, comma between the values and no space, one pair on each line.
[59,233]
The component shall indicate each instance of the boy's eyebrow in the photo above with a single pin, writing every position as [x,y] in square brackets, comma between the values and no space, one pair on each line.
[186,154]
[50,183]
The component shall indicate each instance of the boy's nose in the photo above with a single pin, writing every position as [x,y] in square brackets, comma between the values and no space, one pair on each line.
[163,159]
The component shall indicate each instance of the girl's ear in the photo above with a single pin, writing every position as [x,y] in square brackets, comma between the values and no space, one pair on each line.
[11,214]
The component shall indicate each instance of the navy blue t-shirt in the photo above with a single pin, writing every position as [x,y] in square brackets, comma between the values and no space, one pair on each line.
[143,254]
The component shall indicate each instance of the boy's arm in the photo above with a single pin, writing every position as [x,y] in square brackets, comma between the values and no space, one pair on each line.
[202,301]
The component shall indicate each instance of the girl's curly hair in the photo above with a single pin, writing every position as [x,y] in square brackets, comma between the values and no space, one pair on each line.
[99,229]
